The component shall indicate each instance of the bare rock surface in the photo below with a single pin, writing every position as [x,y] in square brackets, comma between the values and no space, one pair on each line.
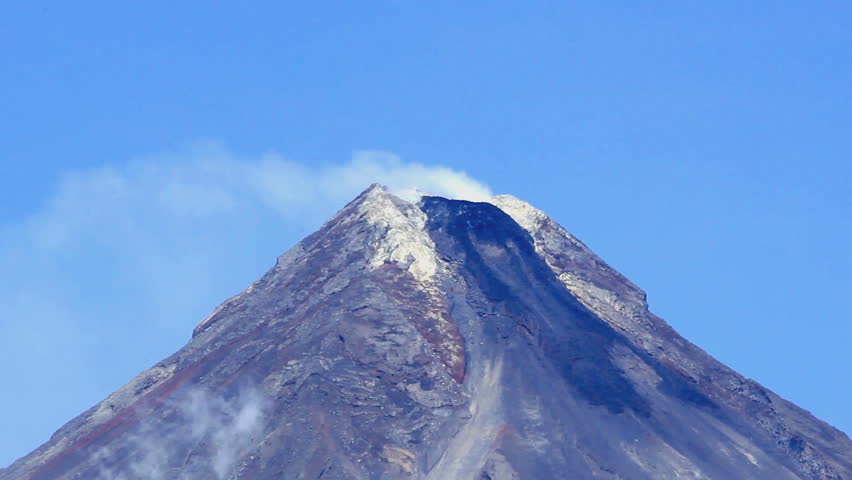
[438,340]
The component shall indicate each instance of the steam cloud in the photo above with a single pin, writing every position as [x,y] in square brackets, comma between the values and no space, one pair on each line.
[219,433]
[209,181]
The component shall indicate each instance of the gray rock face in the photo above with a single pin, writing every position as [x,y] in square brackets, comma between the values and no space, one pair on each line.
[440,340]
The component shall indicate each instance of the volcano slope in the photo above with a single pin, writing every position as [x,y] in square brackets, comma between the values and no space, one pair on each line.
[439,340]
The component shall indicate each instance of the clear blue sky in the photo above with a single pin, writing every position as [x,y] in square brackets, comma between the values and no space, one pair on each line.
[704,149]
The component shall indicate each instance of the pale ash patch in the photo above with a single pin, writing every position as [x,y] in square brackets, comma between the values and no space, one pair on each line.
[663,462]
[405,241]
[522,212]
[403,458]
[468,451]
[533,410]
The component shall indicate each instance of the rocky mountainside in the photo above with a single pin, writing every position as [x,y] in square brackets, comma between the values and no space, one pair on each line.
[438,340]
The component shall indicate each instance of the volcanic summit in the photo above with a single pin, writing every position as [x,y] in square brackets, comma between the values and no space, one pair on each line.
[440,339]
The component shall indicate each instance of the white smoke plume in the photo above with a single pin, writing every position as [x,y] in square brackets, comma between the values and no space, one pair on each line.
[217,433]
[209,181]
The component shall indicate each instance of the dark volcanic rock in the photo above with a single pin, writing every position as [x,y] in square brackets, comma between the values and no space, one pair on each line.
[440,340]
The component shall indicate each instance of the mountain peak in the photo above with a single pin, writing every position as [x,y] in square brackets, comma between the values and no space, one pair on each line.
[439,339]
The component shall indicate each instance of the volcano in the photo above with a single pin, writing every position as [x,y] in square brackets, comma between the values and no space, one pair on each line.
[440,339]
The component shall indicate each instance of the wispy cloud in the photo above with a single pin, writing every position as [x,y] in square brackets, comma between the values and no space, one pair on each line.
[113,271]
[217,432]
